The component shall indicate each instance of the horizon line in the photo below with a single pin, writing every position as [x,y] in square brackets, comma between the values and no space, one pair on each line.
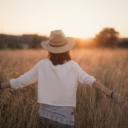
[48,36]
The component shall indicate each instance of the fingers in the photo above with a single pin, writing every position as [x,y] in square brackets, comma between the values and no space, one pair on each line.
[124,106]
[123,103]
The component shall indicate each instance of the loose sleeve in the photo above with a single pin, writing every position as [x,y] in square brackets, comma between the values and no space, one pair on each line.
[26,79]
[84,78]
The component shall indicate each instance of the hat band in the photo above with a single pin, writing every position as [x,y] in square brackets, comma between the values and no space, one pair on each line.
[57,45]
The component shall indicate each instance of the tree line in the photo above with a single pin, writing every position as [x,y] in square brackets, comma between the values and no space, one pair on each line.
[107,37]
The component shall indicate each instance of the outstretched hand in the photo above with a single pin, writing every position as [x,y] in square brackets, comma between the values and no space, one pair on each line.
[121,101]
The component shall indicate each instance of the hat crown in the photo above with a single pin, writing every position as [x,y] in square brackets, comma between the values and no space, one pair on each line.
[57,37]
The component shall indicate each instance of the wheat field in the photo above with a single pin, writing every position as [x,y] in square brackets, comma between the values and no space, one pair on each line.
[19,108]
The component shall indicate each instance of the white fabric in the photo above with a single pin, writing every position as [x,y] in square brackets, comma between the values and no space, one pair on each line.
[61,114]
[57,85]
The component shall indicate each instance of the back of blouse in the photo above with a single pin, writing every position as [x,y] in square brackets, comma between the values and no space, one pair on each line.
[57,85]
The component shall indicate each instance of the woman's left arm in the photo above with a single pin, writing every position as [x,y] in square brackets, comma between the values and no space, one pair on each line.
[121,101]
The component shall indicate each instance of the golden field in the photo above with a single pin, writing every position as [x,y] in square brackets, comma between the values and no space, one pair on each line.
[19,108]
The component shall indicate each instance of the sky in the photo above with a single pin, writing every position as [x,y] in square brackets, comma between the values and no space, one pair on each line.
[77,18]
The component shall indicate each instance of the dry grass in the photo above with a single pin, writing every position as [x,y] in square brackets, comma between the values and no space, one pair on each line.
[19,108]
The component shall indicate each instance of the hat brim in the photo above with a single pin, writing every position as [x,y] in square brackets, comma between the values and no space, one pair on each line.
[70,44]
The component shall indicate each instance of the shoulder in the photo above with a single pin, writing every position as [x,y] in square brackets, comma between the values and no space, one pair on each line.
[45,61]
[73,64]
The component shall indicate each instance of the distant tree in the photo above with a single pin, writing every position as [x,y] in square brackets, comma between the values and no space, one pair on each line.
[19,46]
[1,43]
[123,44]
[106,37]
[36,41]
[13,45]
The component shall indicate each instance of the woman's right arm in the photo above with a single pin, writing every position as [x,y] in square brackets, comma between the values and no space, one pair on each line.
[24,80]
[5,85]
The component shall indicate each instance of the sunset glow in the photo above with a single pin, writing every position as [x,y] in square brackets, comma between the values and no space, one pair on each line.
[77,18]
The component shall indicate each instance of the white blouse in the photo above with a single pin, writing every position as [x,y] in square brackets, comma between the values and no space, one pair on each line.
[57,85]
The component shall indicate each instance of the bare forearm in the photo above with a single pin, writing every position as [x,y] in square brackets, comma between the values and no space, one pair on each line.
[5,85]
[97,85]
[121,101]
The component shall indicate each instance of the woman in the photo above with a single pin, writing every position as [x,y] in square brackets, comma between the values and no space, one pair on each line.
[57,82]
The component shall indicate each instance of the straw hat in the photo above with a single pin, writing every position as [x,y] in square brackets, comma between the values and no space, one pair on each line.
[58,42]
